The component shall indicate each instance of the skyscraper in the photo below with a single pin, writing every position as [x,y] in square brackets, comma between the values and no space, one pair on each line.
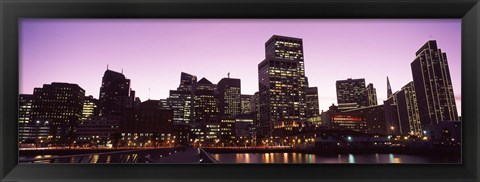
[229,97]
[245,103]
[312,112]
[282,86]
[89,108]
[115,94]
[351,93]
[408,110]
[371,95]
[60,106]
[205,102]
[401,112]
[389,88]
[181,100]
[433,85]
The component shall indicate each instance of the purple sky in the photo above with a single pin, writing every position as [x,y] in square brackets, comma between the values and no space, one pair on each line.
[152,53]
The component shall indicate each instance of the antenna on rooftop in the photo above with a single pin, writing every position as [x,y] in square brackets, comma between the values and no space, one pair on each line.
[122,70]
[228,74]
[148,93]
[107,66]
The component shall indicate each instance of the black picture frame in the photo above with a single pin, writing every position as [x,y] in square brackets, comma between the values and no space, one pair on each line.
[12,10]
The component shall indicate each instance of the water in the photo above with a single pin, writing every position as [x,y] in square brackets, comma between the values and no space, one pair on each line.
[340,158]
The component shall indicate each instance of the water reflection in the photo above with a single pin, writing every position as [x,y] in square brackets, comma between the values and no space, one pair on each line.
[351,158]
[340,158]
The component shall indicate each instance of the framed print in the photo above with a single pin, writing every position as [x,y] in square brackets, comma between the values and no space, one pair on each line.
[239,90]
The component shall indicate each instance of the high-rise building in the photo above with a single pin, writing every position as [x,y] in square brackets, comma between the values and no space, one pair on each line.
[89,108]
[60,106]
[313,110]
[371,95]
[205,102]
[407,109]
[229,97]
[245,103]
[351,92]
[401,112]
[282,86]
[181,100]
[389,88]
[27,132]
[433,85]
[115,94]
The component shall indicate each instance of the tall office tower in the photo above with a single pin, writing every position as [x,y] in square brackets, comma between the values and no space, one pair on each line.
[392,122]
[255,107]
[205,102]
[187,81]
[313,112]
[408,110]
[351,93]
[389,88]
[229,101]
[25,124]
[115,94]
[245,103]
[89,108]
[433,85]
[181,100]
[282,84]
[371,95]
[60,105]
[401,112]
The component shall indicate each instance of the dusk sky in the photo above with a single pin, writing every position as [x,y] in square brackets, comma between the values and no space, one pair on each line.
[152,53]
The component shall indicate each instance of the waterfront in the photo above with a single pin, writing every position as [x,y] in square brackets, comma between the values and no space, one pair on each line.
[300,158]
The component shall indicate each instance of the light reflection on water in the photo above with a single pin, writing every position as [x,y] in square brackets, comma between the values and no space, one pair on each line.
[340,158]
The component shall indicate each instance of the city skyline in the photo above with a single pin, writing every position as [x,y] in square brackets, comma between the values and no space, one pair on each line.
[74,41]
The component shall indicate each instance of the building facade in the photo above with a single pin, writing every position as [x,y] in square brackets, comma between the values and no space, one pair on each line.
[229,97]
[115,94]
[313,110]
[371,95]
[282,85]
[60,106]
[433,85]
[351,93]
[245,103]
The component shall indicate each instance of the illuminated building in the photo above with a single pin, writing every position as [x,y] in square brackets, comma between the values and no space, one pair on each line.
[25,117]
[181,100]
[115,94]
[374,118]
[229,97]
[30,133]
[371,95]
[351,93]
[407,109]
[205,102]
[99,133]
[312,112]
[348,121]
[401,112]
[245,103]
[244,127]
[60,105]
[282,86]
[149,125]
[227,129]
[89,108]
[391,115]
[433,85]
